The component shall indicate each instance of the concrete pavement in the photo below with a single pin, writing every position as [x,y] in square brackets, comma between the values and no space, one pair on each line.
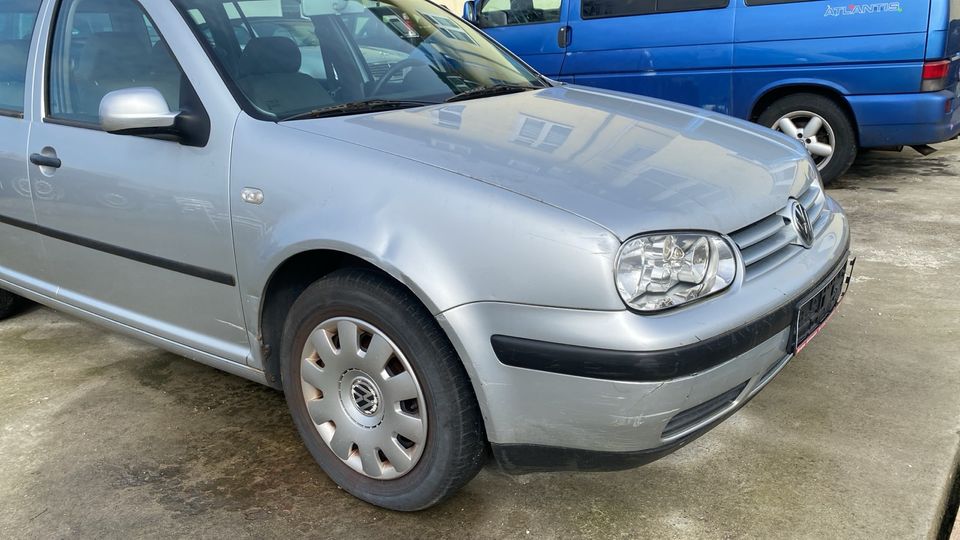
[101,436]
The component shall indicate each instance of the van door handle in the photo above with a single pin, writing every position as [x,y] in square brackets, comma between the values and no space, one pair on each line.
[45,161]
[564,36]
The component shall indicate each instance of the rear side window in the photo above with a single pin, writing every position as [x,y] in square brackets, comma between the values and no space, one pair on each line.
[104,45]
[515,12]
[17,20]
[599,9]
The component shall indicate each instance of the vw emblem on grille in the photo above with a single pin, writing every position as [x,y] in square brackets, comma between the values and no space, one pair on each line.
[801,221]
[365,396]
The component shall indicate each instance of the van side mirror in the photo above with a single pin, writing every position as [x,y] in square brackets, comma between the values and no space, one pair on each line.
[470,11]
[140,110]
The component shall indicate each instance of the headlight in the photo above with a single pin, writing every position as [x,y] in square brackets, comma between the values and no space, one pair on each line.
[661,271]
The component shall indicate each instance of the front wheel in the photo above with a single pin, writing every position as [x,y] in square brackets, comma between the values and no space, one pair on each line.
[821,125]
[379,396]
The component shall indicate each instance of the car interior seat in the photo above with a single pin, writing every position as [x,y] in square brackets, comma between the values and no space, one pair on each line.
[524,11]
[493,19]
[109,61]
[270,76]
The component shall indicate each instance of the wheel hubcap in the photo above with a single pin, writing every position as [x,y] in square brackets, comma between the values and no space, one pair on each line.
[813,131]
[364,398]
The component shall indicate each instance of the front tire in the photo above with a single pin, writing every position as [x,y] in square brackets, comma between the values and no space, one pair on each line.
[10,304]
[821,125]
[379,396]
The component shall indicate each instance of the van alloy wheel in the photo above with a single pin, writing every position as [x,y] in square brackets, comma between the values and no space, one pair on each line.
[813,131]
[364,398]
[824,126]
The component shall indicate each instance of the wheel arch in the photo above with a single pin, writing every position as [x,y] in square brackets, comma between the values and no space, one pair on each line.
[288,281]
[768,96]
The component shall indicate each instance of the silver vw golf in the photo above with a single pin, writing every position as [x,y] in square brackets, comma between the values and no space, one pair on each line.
[436,253]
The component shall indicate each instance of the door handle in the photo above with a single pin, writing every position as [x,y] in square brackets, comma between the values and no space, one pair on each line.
[45,161]
[564,36]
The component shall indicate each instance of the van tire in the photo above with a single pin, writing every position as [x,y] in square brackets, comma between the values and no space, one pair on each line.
[10,304]
[835,118]
[454,447]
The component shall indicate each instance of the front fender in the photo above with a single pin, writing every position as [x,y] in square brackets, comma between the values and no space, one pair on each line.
[450,239]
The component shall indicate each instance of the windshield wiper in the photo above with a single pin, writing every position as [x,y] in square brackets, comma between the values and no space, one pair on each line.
[495,90]
[358,107]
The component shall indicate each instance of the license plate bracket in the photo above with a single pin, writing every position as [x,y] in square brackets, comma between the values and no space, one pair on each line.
[814,311]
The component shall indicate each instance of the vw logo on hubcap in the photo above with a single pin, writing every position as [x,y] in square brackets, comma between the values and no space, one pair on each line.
[365,396]
[802,223]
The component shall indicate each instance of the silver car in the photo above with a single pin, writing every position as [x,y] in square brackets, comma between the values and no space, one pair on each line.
[435,260]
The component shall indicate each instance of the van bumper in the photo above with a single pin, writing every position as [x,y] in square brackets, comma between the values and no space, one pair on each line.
[907,119]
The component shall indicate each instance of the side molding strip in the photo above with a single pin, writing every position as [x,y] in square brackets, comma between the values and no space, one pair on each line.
[145,258]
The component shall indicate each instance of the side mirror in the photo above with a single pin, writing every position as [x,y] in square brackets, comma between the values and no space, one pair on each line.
[470,11]
[136,110]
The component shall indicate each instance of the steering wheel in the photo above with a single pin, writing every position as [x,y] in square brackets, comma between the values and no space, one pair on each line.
[394,69]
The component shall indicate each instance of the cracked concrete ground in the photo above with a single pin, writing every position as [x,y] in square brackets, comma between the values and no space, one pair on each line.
[101,436]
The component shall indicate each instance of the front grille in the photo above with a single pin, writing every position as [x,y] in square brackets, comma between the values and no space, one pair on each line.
[694,415]
[771,241]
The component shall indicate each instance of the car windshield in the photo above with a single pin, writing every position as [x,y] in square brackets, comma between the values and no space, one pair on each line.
[293,59]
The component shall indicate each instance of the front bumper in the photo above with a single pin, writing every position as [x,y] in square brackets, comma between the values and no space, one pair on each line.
[553,418]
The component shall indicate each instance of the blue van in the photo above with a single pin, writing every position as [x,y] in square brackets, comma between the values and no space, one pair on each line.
[837,76]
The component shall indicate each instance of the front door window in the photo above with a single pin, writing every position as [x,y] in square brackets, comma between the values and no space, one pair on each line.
[104,45]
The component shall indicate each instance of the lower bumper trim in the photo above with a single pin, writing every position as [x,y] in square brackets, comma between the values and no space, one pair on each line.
[520,459]
[694,415]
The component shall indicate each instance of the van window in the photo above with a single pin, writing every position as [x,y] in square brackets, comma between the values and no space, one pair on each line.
[104,45]
[515,12]
[17,19]
[597,9]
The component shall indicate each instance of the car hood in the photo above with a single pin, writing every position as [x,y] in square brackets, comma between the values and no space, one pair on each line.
[628,163]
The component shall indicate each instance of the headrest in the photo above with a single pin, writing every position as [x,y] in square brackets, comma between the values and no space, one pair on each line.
[112,55]
[494,18]
[521,5]
[264,55]
[13,59]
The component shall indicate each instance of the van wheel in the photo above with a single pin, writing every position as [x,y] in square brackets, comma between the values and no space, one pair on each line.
[381,399]
[10,304]
[821,125]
